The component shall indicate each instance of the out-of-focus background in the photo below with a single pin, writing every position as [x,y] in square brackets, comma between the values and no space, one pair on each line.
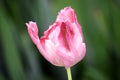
[20,59]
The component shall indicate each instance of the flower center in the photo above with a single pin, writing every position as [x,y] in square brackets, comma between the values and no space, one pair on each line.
[65,38]
[66,35]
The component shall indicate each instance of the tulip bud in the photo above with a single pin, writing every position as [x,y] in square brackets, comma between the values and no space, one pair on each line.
[62,44]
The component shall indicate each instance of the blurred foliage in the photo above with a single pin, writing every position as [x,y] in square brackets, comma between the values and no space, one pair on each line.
[20,60]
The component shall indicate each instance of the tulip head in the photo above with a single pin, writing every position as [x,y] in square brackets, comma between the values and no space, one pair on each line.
[62,44]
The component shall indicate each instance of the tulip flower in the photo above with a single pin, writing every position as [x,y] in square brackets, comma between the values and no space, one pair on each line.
[62,44]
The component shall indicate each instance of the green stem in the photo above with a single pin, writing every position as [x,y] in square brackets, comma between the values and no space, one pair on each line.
[69,74]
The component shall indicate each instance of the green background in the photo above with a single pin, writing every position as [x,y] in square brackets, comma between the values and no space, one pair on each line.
[20,59]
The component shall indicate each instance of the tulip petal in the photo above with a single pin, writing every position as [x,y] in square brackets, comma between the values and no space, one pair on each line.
[66,14]
[51,50]
[33,31]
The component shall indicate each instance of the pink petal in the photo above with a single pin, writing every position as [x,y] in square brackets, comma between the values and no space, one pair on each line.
[33,31]
[66,14]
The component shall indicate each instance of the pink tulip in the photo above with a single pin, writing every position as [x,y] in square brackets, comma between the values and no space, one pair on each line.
[62,44]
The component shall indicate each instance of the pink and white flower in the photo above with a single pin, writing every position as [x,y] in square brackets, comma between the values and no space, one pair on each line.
[62,44]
